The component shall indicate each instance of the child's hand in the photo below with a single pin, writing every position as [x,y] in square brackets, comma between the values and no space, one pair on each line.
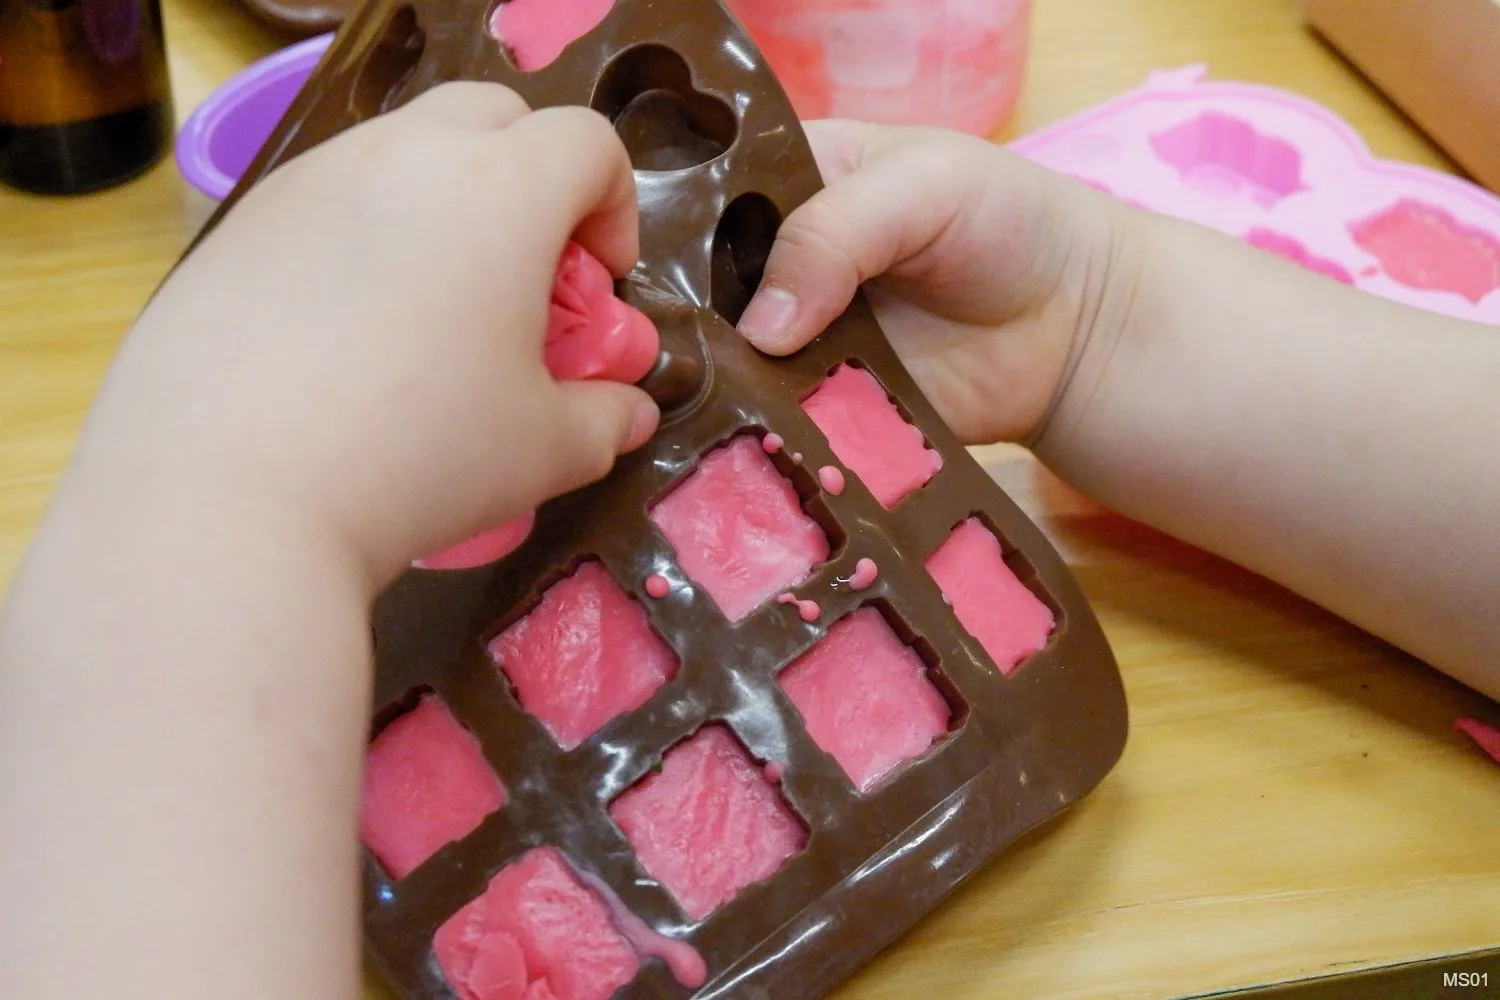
[361,340]
[984,268]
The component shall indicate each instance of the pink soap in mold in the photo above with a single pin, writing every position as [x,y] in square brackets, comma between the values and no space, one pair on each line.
[535,32]
[738,528]
[536,932]
[426,784]
[869,435]
[1289,176]
[866,698]
[1426,248]
[989,601]
[582,656]
[708,824]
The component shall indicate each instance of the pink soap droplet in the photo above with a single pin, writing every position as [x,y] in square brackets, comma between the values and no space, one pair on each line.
[831,479]
[774,771]
[809,610]
[657,586]
[865,572]
[786,598]
[772,443]
[797,457]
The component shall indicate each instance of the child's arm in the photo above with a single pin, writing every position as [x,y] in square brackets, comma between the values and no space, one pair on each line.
[1338,443]
[346,375]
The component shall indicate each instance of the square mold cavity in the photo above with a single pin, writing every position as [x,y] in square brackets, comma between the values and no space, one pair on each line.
[584,655]
[709,823]
[868,699]
[426,785]
[988,597]
[537,932]
[739,529]
[870,434]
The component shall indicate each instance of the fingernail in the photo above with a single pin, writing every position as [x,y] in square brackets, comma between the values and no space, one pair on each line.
[769,316]
[642,425]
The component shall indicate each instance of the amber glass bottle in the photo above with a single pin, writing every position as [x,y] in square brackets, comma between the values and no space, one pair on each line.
[85,101]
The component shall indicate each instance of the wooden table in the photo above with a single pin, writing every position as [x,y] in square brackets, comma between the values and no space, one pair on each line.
[1293,801]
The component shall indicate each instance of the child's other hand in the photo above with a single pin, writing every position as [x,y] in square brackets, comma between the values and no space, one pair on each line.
[360,342]
[983,269]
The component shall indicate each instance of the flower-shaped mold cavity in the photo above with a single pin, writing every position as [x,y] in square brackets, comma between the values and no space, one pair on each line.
[739,530]
[870,434]
[426,784]
[869,699]
[664,121]
[709,823]
[1226,155]
[1292,250]
[989,597]
[537,931]
[1423,247]
[582,656]
[388,65]
[742,245]
[533,33]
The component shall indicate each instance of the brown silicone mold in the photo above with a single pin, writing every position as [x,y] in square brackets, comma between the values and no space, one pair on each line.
[721,161]
[302,17]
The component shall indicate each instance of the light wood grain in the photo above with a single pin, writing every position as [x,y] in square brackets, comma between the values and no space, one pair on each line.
[1293,800]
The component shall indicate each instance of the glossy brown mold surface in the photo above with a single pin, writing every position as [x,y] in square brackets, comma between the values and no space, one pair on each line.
[302,17]
[1028,746]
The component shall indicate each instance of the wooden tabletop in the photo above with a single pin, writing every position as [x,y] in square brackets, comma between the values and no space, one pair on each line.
[1293,800]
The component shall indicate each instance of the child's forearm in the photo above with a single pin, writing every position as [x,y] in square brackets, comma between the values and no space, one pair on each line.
[1330,440]
[181,712]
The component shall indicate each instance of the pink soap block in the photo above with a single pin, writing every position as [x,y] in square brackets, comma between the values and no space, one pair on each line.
[738,528]
[990,602]
[866,698]
[869,435]
[535,32]
[536,932]
[584,655]
[709,823]
[426,784]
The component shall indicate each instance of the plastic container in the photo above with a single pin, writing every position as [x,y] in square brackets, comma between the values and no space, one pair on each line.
[221,137]
[958,64]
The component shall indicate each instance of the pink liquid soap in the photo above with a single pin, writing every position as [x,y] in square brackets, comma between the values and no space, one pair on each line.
[709,823]
[536,933]
[657,586]
[772,443]
[426,784]
[1424,247]
[866,698]
[831,479]
[958,64]
[870,436]
[865,574]
[989,601]
[584,655]
[535,32]
[808,611]
[738,529]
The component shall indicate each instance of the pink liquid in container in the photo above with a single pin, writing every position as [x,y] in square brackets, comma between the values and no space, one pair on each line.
[952,63]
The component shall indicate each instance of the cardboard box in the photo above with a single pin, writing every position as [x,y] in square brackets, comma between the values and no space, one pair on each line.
[1439,60]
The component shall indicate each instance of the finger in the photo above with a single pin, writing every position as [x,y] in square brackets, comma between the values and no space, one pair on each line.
[861,226]
[592,184]
[468,105]
[592,425]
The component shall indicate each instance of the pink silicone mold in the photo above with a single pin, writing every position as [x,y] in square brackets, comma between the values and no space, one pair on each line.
[1288,176]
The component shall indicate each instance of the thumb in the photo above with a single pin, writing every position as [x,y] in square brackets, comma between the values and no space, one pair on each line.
[592,424]
[891,196]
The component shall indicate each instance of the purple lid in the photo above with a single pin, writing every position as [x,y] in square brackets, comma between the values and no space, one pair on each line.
[221,137]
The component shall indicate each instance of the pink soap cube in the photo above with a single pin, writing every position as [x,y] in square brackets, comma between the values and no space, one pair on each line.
[870,436]
[584,655]
[739,530]
[536,932]
[709,823]
[535,32]
[996,608]
[426,784]
[866,698]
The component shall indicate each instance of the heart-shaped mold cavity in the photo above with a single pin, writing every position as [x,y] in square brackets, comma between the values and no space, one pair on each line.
[664,121]
[1290,249]
[534,33]
[742,244]
[1423,247]
[1226,155]
[389,65]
